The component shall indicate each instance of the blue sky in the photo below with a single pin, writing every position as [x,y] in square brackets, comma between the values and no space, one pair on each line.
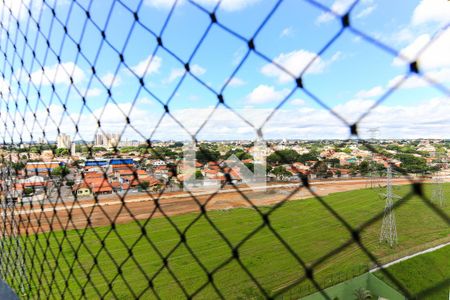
[348,77]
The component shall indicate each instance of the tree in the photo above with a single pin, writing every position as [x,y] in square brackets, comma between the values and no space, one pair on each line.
[320,168]
[347,150]
[143,149]
[17,166]
[364,167]
[280,172]
[61,152]
[312,155]
[411,163]
[84,149]
[241,154]
[176,145]
[380,169]
[28,191]
[162,152]
[198,174]
[334,162]
[144,185]
[250,166]
[77,163]
[362,294]
[128,149]
[34,149]
[205,155]
[61,171]
[98,149]
[287,156]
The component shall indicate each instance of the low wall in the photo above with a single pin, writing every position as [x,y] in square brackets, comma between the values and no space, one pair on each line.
[368,281]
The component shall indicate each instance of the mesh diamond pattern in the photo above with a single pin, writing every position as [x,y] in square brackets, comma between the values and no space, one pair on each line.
[62,246]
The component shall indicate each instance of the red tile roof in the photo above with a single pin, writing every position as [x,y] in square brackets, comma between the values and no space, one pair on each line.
[93,175]
[21,186]
[49,165]
[122,166]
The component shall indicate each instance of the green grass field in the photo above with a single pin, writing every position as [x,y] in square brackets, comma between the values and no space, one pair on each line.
[423,272]
[305,225]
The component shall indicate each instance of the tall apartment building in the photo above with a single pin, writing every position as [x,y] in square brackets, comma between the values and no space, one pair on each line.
[63,141]
[107,139]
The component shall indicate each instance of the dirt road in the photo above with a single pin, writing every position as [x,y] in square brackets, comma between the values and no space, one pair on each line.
[112,208]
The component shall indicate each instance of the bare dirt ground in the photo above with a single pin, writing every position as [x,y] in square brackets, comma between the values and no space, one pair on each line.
[112,208]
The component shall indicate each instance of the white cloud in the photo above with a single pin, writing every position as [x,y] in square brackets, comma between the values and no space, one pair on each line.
[114,115]
[197,70]
[431,11]
[295,62]
[336,56]
[238,55]
[339,7]
[93,92]
[441,76]
[287,32]
[429,118]
[174,74]
[148,66]
[428,16]
[265,94]
[366,11]
[236,82]
[4,88]
[109,79]
[297,102]
[193,98]
[352,109]
[434,56]
[230,5]
[58,74]
[227,5]
[402,35]
[161,3]
[178,72]
[410,121]
[145,101]
[373,92]
[18,10]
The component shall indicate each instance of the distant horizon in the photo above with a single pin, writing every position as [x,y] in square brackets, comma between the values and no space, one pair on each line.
[51,142]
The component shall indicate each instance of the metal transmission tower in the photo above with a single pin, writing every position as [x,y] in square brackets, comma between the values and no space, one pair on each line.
[437,195]
[388,228]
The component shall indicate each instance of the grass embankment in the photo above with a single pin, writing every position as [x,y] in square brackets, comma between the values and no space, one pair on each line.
[423,272]
[309,228]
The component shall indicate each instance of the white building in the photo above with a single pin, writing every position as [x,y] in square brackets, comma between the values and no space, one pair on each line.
[158,163]
[73,149]
[63,141]
[108,140]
